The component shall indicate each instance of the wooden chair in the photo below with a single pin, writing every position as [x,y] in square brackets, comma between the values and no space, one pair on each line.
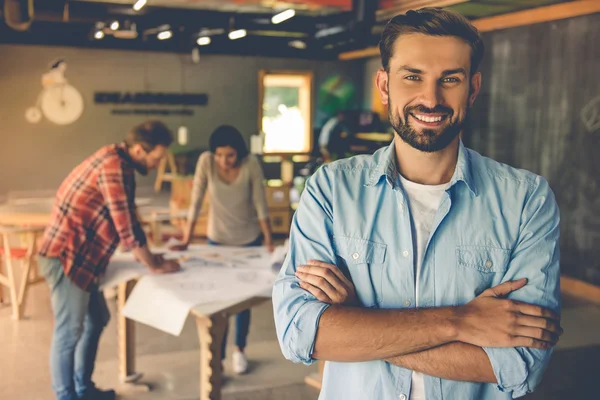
[154,222]
[25,254]
[162,175]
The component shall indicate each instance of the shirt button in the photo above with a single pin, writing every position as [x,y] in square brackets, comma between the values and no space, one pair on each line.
[355,256]
[489,264]
[402,397]
[405,253]
[407,303]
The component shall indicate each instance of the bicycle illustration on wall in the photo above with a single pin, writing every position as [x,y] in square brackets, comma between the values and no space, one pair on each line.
[59,101]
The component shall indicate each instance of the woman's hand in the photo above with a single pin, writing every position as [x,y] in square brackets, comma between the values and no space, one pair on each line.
[270,247]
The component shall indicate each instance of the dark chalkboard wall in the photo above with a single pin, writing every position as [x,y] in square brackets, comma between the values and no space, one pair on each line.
[539,109]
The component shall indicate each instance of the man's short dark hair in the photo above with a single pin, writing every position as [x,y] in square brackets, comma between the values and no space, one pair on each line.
[149,134]
[227,135]
[434,22]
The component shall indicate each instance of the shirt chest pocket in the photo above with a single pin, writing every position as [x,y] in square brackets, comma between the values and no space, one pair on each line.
[363,262]
[481,267]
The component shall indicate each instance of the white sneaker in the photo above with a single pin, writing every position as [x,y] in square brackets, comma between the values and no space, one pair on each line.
[240,363]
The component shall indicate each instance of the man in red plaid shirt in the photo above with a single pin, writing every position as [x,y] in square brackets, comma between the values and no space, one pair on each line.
[93,213]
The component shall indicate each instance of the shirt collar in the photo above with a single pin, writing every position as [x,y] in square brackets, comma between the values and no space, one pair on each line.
[121,149]
[464,169]
[384,164]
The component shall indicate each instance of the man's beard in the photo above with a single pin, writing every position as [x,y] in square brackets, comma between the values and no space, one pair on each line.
[428,140]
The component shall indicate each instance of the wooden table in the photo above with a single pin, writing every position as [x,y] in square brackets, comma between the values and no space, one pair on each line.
[211,321]
[39,213]
[18,292]
[34,214]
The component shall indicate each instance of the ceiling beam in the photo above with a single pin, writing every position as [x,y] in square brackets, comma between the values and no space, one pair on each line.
[216,5]
[362,53]
[343,4]
[520,18]
[538,15]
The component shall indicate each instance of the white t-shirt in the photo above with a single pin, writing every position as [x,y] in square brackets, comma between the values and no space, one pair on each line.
[424,201]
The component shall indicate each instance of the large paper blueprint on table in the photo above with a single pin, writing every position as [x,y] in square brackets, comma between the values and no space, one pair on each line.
[208,274]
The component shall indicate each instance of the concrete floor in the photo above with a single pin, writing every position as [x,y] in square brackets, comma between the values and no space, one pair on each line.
[170,364]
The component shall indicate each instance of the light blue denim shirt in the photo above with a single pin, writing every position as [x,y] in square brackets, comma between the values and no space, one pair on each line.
[495,223]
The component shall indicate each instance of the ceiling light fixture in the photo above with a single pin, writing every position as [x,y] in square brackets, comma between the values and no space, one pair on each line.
[298,44]
[211,32]
[203,41]
[98,35]
[114,25]
[164,35]
[283,16]
[334,30]
[237,34]
[139,4]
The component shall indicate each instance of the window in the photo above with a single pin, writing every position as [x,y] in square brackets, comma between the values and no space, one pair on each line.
[285,112]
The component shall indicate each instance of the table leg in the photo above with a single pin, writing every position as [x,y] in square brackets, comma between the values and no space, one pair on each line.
[25,275]
[126,334]
[30,240]
[210,332]
[1,285]
[12,283]
[155,228]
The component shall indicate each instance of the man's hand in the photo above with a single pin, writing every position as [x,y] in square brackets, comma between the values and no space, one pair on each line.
[327,283]
[489,320]
[165,267]
[158,258]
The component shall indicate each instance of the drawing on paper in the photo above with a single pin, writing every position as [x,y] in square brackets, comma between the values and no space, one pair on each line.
[195,261]
[248,253]
[197,286]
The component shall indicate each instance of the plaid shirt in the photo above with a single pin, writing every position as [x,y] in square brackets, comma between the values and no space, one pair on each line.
[94,211]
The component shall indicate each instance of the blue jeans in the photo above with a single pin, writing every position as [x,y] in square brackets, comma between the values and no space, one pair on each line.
[242,320]
[79,318]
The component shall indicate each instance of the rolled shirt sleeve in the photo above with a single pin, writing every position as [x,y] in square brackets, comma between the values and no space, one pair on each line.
[537,258]
[296,311]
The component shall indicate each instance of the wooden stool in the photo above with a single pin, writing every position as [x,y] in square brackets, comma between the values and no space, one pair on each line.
[162,174]
[26,255]
[155,221]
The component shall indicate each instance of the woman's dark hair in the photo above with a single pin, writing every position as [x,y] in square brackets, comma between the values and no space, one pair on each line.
[227,135]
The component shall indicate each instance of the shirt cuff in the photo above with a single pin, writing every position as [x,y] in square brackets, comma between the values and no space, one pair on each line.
[138,239]
[304,330]
[510,370]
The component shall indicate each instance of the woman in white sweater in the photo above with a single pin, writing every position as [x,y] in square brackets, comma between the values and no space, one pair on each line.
[238,213]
